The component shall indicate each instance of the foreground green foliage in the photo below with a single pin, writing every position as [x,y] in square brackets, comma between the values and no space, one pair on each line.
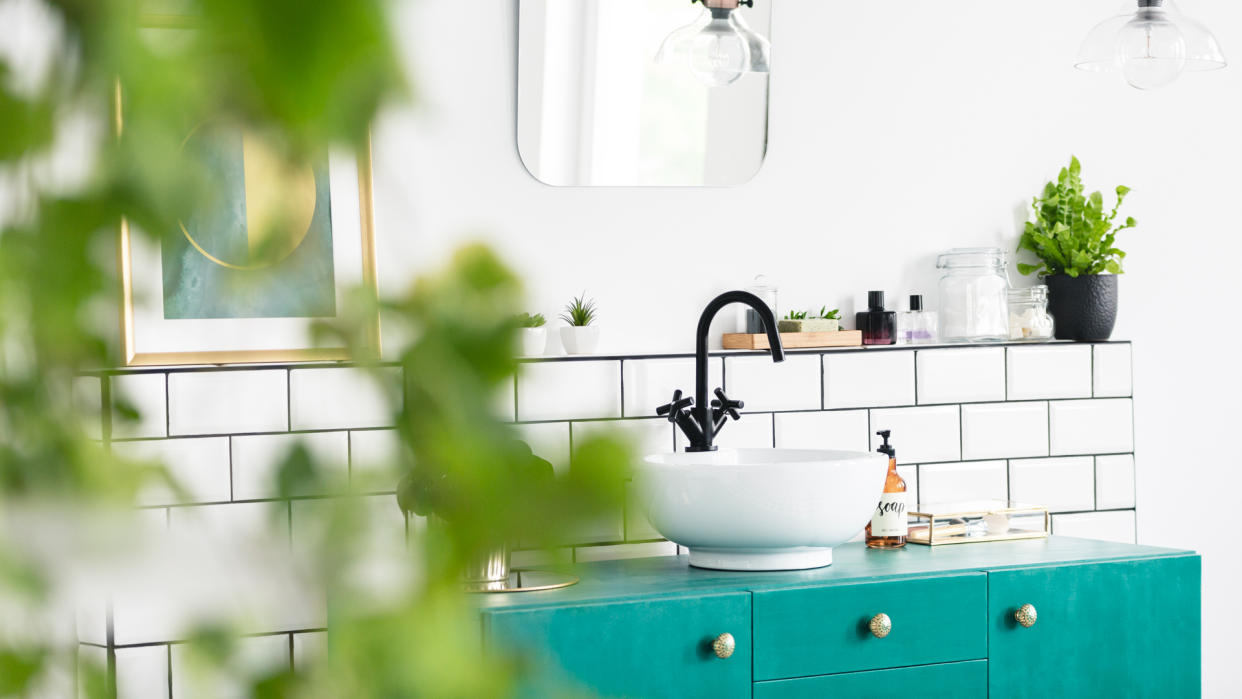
[1072,232]
[308,76]
[527,320]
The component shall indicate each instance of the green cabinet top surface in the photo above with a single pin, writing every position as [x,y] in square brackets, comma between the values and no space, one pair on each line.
[852,563]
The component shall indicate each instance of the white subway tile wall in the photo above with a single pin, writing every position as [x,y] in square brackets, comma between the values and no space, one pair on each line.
[1114,482]
[1001,430]
[309,649]
[868,379]
[966,423]
[258,459]
[375,460]
[584,554]
[920,435]
[1116,526]
[975,480]
[1049,371]
[1112,371]
[764,385]
[649,383]
[1100,426]
[333,399]
[145,393]
[821,429]
[548,441]
[228,402]
[1061,485]
[200,466]
[961,375]
[142,672]
[569,390]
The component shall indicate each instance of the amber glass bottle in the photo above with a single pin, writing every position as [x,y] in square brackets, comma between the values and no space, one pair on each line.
[889,525]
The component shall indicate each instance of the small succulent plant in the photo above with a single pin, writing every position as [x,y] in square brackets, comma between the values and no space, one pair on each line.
[796,315]
[581,312]
[834,314]
[526,320]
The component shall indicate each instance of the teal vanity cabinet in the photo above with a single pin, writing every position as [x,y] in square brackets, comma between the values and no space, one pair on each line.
[1121,628]
[1056,617]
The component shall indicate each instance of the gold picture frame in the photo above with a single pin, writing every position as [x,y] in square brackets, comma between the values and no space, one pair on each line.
[134,355]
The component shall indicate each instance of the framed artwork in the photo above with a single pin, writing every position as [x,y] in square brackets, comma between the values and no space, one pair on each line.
[245,278]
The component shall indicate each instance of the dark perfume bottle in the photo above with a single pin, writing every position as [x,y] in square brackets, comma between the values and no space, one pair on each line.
[878,326]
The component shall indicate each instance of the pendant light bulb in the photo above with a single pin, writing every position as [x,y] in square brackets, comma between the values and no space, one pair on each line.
[719,54]
[1151,49]
[1151,43]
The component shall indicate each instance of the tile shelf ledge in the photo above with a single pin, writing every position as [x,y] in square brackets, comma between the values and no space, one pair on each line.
[614,356]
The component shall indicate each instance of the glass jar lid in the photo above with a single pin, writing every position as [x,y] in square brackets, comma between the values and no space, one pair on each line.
[1035,294]
[968,258]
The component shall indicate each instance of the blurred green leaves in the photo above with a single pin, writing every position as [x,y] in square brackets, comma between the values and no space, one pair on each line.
[308,77]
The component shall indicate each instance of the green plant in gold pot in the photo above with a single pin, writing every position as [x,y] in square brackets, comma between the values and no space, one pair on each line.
[1073,235]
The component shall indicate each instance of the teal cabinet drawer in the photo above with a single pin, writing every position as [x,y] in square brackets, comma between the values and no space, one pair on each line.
[822,631]
[650,648]
[1115,629]
[967,680]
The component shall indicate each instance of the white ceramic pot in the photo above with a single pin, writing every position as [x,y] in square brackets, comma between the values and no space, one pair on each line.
[580,339]
[534,341]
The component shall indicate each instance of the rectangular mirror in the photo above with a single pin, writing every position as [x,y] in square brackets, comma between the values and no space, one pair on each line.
[643,92]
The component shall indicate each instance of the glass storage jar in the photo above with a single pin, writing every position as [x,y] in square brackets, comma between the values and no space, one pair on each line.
[1028,314]
[748,320]
[974,295]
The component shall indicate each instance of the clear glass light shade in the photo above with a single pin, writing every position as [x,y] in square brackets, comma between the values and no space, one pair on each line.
[718,47]
[1150,45]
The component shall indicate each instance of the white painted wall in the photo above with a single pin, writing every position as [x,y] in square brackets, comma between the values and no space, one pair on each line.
[898,128]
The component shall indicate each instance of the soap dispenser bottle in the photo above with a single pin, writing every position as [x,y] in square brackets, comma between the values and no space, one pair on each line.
[889,525]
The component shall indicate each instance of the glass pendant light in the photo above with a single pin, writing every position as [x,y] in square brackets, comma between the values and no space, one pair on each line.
[718,47]
[1151,43]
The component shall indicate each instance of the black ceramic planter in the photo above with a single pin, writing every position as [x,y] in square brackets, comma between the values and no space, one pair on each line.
[1084,308]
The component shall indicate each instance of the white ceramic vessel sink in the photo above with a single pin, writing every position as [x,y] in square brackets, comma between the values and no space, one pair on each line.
[761,509]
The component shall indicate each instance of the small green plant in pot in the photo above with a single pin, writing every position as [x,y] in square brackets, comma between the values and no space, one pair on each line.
[803,322]
[1073,235]
[580,336]
[532,333]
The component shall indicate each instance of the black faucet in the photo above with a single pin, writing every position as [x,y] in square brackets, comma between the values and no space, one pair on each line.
[700,420]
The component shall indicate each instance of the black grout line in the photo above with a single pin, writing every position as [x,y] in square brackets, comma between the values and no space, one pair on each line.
[823,383]
[291,665]
[916,376]
[1005,363]
[289,399]
[185,641]
[110,653]
[217,435]
[168,650]
[205,368]
[622,388]
[105,413]
[167,408]
[231,496]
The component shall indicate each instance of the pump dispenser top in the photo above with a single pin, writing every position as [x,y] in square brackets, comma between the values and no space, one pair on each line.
[886,448]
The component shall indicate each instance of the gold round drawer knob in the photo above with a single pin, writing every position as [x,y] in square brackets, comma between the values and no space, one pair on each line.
[724,645]
[881,625]
[1026,615]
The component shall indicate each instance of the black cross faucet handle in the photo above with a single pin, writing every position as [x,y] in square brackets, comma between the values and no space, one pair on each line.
[674,407]
[725,406]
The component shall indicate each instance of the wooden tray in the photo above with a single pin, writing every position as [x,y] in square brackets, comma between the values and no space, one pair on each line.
[840,338]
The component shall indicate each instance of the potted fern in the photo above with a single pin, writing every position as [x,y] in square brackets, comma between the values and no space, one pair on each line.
[580,336]
[1074,236]
[533,334]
